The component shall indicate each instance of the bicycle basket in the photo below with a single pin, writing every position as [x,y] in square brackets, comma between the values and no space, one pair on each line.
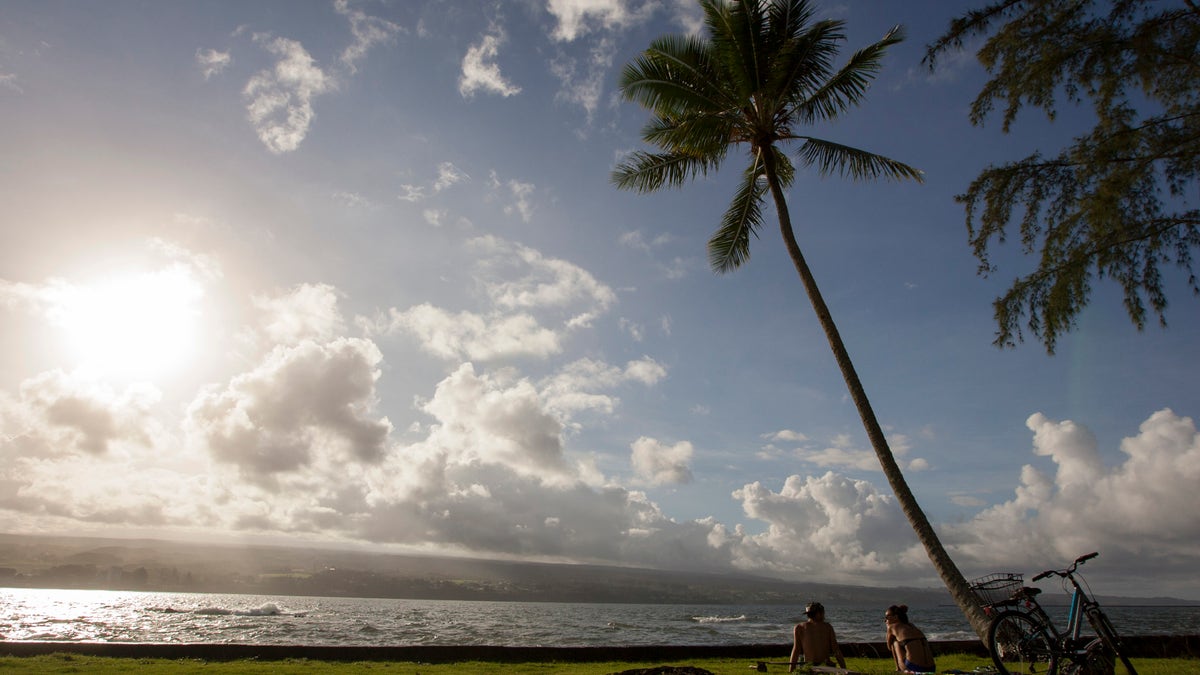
[995,588]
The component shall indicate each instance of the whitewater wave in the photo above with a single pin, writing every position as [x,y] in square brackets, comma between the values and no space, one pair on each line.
[265,609]
[719,619]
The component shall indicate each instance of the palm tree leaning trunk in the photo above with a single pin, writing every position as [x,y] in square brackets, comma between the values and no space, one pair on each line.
[763,69]
[958,586]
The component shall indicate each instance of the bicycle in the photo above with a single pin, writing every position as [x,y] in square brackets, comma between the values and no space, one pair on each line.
[1023,640]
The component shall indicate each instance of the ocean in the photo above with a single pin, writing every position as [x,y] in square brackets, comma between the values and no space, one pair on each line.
[125,616]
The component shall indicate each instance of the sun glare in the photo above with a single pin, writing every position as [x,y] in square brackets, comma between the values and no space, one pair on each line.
[139,326]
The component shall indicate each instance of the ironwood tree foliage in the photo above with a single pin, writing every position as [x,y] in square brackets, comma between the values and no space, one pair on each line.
[760,77]
[1118,202]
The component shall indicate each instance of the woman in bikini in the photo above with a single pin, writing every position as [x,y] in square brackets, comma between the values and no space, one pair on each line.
[906,642]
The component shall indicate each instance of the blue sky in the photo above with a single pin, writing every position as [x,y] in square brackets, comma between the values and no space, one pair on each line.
[353,273]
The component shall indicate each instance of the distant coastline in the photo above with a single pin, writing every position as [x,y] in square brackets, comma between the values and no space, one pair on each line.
[28,561]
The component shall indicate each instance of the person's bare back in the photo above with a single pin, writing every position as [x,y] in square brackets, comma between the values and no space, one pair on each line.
[815,640]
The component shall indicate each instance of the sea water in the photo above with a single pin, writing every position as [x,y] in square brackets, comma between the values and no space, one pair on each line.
[124,616]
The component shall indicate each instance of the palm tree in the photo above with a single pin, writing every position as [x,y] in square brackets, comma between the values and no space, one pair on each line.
[762,73]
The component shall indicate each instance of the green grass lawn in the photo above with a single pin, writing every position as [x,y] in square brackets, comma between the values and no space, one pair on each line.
[96,665]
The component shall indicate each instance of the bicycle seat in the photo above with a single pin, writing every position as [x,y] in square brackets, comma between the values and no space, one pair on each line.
[1029,591]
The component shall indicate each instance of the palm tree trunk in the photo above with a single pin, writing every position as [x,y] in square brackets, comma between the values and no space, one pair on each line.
[959,589]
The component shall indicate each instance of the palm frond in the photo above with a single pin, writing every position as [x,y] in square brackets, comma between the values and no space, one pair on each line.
[701,135]
[787,19]
[805,63]
[647,172]
[673,74]
[784,171]
[736,44]
[834,158]
[729,247]
[848,86]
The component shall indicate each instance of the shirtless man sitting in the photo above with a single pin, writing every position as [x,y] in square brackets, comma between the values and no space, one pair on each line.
[815,641]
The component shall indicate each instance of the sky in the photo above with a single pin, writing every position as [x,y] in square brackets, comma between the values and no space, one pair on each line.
[352,273]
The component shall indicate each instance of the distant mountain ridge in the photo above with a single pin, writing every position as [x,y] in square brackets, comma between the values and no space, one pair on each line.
[160,565]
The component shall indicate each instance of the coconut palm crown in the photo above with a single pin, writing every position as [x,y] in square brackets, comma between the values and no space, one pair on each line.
[760,76]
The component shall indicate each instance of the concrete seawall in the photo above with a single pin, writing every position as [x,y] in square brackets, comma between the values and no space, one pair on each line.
[1145,647]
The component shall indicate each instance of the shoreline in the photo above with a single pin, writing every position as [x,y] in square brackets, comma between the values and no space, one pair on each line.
[1153,646]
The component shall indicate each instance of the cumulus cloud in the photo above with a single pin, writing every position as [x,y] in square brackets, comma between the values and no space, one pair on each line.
[1140,509]
[305,403]
[58,413]
[475,337]
[659,464]
[583,384]
[489,419]
[832,525]
[306,312]
[212,62]
[525,295]
[479,70]
[279,100]
[540,282]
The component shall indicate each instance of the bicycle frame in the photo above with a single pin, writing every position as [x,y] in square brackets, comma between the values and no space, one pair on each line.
[1079,600]
[1083,607]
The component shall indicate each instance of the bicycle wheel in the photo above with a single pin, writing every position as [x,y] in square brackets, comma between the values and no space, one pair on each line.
[1096,659]
[1110,638]
[1020,645]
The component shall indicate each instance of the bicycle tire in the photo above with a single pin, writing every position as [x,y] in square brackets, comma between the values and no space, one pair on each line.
[1104,629]
[1095,659]
[1021,645]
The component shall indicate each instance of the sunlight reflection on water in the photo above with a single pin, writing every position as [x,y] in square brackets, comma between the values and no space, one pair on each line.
[124,616]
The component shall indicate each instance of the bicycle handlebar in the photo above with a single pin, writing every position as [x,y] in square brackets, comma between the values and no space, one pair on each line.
[1078,561]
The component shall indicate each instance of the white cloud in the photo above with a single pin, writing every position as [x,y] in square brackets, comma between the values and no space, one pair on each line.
[786,435]
[1143,509]
[830,526]
[449,175]
[645,370]
[660,464]
[843,453]
[305,404]
[212,62]
[583,83]
[575,18]
[435,217]
[573,387]
[480,417]
[521,192]
[280,100]
[58,413]
[411,193]
[636,240]
[475,337]
[306,312]
[368,31]
[480,73]
[636,330]
[540,283]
